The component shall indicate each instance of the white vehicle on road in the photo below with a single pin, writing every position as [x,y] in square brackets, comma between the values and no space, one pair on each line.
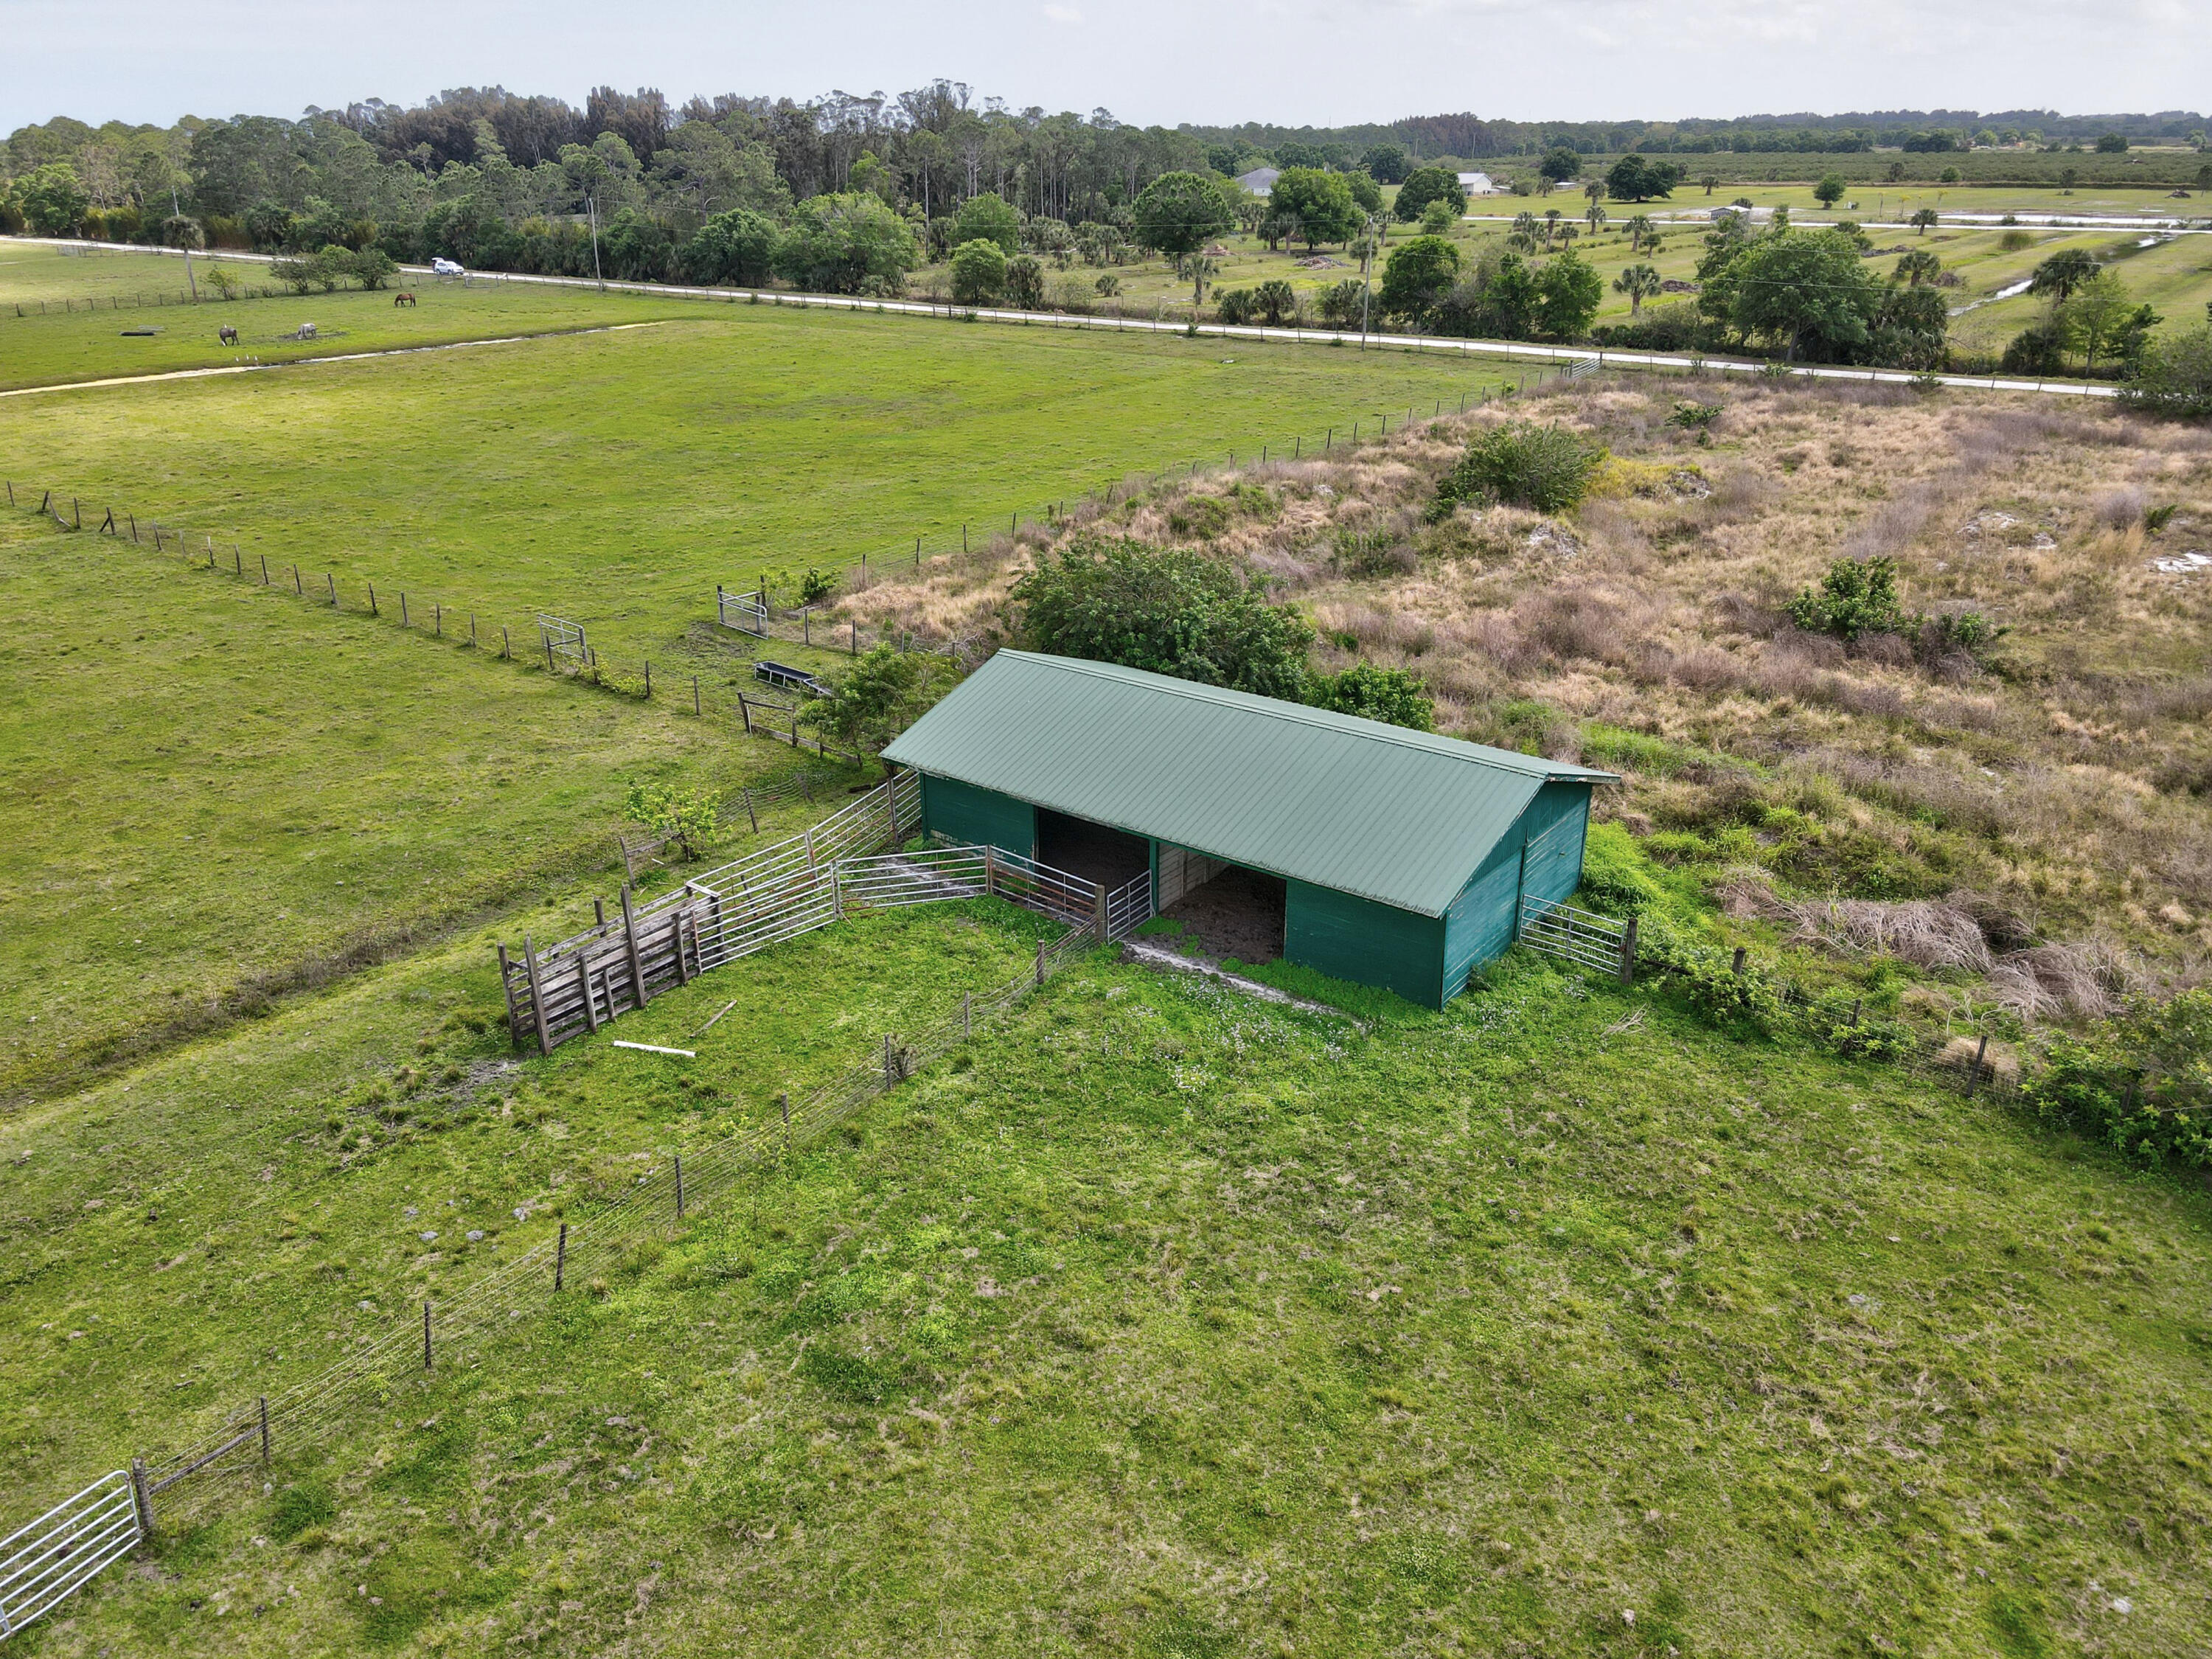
[447,268]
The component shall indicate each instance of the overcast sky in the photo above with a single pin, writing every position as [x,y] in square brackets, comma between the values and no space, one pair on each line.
[1322,61]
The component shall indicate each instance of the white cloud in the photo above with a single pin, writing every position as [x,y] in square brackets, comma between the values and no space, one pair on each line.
[1067,16]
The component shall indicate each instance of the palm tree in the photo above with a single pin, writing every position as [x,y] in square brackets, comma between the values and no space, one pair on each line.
[1595,216]
[1639,283]
[1921,221]
[1711,182]
[1524,224]
[1639,227]
[1917,267]
[1551,226]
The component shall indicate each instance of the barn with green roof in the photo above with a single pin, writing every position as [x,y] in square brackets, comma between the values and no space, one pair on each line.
[1368,852]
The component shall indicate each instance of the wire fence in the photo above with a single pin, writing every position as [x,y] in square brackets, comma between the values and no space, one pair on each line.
[73,1542]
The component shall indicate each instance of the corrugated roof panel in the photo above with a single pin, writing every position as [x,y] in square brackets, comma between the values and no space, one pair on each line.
[1400,817]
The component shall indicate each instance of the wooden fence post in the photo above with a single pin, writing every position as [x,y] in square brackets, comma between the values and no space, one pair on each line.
[536,997]
[426,1333]
[1040,962]
[1975,1076]
[968,1015]
[1628,953]
[745,712]
[265,1428]
[679,1187]
[561,1255]
[990,870]
[629,942]
[1098,909]
[783,1102]
[752,816]
[887,1060]
[583,981]
[141,1502]
[695,708]
[1736,967]
[507,984]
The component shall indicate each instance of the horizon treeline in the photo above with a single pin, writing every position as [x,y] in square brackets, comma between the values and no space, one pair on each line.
[632,184]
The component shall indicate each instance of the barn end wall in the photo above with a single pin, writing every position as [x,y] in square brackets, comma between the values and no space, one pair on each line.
[1483,920]
[982,817]
[1346,937]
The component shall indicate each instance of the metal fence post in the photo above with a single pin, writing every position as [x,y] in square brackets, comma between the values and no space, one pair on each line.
[1628,953]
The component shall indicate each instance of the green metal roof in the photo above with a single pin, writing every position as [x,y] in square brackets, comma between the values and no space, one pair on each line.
[1403,817]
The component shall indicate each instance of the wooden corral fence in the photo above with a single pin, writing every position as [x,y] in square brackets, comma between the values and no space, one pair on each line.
[43,1563]
[842,867]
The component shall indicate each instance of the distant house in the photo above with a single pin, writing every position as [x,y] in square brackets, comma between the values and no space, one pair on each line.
[1260,180]
[1480,184]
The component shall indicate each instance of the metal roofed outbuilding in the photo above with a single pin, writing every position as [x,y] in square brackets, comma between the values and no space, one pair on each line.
[1405,856]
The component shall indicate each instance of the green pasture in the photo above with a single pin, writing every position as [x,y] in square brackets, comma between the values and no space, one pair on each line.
[216,791]
[1162,1322]
[616,478]
[85,344]
[34,273]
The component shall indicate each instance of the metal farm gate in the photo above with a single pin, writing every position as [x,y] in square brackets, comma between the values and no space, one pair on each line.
[746,612]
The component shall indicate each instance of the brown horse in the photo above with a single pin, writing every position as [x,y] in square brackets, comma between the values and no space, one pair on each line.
[227,335]
[403,299]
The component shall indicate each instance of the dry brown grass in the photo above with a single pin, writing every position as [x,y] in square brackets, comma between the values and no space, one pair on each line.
[2074,783]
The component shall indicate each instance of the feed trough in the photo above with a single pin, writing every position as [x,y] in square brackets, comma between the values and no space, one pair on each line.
[786,677]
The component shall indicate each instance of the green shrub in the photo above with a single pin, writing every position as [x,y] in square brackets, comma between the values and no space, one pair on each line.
[1706,975]
[1174,612]
[1828,1020]
[1617,879]
[685,817]
[1544,468]
[1857,596]
[816,586]
[2141,1082]
[1391,694]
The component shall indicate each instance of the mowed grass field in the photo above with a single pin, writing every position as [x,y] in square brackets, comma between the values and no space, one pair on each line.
[1158,1322]
[213,792]
[58,347]
[616,478]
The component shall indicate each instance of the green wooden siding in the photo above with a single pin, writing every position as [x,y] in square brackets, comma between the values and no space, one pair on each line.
[1347,937]
[1479,927]
[1485,919]
[1555,823]
[982,817]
